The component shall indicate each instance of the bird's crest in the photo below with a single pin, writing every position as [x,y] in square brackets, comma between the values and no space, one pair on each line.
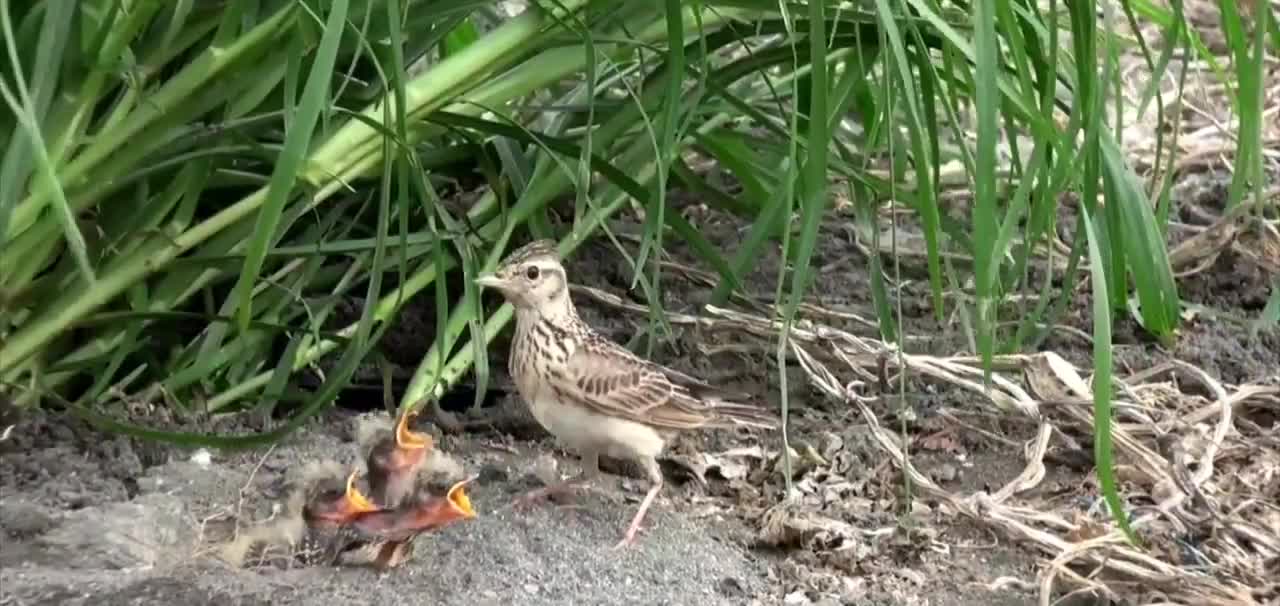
[536,248]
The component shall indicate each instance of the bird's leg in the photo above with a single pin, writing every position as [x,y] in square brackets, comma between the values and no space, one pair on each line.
[655,474]
[590,468]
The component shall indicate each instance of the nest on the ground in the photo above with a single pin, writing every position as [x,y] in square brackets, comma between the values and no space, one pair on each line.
[284,540]
[1199,462]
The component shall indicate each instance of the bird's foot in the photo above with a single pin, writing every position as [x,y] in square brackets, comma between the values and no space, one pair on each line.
[630,536]
[627,539]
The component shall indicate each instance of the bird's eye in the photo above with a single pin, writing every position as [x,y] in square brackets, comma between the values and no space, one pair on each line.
[532,272]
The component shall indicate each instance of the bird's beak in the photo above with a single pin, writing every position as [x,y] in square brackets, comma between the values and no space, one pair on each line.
[411,440]
[490,281]
[458,498]
[356,501]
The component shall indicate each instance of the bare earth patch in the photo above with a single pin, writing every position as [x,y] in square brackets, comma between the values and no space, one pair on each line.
[1001,505]
[932,490]
[160,545]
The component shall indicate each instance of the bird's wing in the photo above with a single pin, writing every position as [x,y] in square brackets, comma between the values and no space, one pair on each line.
[701,389]
[608,379]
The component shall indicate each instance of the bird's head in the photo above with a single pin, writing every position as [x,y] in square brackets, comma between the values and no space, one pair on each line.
[532,278]
[394,461]
[423,513]
[333,509]
[406,450]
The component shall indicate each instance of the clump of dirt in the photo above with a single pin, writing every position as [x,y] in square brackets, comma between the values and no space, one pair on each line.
[64,464]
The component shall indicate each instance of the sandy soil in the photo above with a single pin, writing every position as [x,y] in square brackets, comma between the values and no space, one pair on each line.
[82,524]
[94,518]
[87,517]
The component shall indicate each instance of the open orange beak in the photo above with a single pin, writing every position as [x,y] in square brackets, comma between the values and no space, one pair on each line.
[407,439]
[457,497]
[404,523]
[356,502]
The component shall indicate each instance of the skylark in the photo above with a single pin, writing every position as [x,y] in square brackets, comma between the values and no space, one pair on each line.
[591,394]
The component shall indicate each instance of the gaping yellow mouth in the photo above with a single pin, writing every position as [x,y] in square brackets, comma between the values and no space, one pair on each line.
[410,439]
[355,499]
[457,496]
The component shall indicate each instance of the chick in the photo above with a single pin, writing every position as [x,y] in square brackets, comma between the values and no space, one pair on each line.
[384,538]
[328,516]
[333,509]
[394,463]
[304,526]
[326,523]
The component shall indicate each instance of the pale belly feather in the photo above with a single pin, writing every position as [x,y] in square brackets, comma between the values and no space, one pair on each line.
[578,428]
[581,429]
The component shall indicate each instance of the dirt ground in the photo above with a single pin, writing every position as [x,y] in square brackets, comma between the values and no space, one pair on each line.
[93,518]
[87,517]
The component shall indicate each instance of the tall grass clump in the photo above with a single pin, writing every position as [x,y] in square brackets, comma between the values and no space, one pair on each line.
[190,189]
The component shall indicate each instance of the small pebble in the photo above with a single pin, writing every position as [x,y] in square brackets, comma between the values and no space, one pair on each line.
[492,472]
[74,500]
[797,597]
[149,484]
[731,587]
[202,457]
[21,518]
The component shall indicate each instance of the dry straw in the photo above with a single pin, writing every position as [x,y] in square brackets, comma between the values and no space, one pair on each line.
[1212,476]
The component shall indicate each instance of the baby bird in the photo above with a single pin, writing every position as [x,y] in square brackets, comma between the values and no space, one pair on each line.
[593,395]
[328,515]
[393,464]
[332,509]
[385,537]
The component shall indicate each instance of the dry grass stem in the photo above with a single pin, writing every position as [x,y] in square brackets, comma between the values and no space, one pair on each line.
[1200,478]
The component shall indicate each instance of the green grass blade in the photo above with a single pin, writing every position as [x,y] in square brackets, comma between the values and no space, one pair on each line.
[986,101]
[1269,317]
[814,200]
[1144,244]
[1102,450]
[925,199]
[20,100]
[55,31]
[296,144]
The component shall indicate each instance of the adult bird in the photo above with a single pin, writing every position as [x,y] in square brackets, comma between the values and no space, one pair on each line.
[590,393]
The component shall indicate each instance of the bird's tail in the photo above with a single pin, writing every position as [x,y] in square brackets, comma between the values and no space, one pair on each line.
[735,414]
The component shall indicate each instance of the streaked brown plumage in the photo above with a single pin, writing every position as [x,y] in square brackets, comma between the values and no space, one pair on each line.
[589,392]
